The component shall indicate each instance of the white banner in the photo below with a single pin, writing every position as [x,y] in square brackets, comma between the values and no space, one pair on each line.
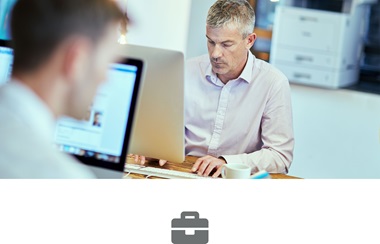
[141,211]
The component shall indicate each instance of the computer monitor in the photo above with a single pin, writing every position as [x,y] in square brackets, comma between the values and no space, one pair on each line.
[5,12]
[159,123]
[101,139]
[6,53]
[6,61]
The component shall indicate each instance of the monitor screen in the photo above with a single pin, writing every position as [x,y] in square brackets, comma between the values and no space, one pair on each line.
[100,135]
[6,61]
[5,11]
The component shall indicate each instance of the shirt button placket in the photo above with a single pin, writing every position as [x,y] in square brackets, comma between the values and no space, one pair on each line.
[219,120]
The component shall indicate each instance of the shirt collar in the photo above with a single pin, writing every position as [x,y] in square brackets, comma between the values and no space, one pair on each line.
[246,74]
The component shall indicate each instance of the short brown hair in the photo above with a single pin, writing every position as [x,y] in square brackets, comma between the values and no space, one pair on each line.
[39,26]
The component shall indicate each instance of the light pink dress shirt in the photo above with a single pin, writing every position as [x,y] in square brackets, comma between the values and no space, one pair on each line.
[248,120]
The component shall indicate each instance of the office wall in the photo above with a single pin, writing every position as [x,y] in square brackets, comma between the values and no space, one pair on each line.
[336,133]
[197,29]
[172,24]
[161,24]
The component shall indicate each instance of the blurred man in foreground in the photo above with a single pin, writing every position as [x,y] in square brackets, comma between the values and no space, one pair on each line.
[62,49]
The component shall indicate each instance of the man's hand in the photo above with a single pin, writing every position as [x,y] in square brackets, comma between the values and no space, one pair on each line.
[143,159]
[206,164]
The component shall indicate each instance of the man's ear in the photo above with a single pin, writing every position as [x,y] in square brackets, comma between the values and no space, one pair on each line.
[251,38]
[76,55]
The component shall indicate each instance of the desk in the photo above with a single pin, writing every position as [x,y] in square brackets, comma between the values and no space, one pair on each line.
[186,167]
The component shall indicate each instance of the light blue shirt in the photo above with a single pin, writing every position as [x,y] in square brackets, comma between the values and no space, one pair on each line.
[26,138]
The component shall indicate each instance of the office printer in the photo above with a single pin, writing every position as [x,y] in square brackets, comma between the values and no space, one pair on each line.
[320,43]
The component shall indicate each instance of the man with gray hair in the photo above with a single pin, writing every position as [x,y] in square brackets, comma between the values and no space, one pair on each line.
[237,107]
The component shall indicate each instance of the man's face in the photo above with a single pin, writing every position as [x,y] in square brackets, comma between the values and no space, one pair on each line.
[228,50]
[93,73]
[97,118]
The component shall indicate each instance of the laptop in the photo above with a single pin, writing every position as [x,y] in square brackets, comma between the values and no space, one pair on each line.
[101,139]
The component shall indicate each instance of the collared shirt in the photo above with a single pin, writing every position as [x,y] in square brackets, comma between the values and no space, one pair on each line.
[26,138]
[247,120]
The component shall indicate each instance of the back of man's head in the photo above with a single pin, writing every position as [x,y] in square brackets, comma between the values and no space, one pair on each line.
[38,27]
[232,12]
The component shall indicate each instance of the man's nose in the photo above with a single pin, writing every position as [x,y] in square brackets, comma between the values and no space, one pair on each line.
[216,52]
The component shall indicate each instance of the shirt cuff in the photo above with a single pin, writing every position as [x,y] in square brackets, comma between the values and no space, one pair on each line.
[221,157]
[232,159]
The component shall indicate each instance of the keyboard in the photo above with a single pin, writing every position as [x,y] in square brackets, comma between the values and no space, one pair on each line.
[160,172]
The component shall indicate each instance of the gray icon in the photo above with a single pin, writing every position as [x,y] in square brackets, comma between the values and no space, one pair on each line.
[189,221]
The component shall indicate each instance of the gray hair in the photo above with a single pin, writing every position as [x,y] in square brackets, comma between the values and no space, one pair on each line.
[226,12]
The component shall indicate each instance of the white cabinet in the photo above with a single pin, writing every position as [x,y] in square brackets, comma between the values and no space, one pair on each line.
[319,48]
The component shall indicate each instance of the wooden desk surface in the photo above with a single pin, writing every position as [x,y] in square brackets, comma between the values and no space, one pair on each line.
[186,167]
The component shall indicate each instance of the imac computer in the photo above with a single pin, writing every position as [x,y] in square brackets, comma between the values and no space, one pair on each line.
[159,130]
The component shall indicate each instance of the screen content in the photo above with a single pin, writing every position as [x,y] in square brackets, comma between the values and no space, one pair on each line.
[101,132]
[5,12]
[6,60]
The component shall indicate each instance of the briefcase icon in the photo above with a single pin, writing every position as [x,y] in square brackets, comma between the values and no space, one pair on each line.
[190,220]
